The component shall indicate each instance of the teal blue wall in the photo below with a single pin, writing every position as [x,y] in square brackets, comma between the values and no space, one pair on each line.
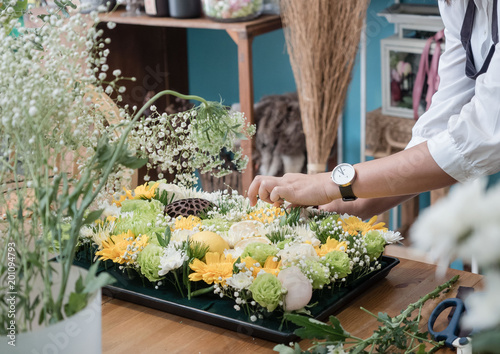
[213,70]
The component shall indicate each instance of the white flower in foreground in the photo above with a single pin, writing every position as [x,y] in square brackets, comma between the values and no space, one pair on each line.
[392,237]
[240,281]
[171,259]
[299,288]
[483,308]
[441,228]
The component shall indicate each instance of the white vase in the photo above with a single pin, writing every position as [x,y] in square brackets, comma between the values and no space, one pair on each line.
[80,333]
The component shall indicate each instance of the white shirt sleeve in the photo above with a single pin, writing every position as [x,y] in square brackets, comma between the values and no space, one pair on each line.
[462,125]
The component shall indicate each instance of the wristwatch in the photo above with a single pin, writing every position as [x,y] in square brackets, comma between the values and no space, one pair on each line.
[343,175]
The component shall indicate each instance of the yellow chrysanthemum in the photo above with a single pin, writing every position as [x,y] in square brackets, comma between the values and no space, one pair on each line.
[145,191]
[353,225]
[128,195]
[271,266]
[186,223]
[120,248]
[216,268]
[265,215]
[330,245]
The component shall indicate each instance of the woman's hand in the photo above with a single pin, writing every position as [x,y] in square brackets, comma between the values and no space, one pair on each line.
[295,188]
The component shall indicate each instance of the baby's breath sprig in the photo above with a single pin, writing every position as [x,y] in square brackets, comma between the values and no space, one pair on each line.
[184,142]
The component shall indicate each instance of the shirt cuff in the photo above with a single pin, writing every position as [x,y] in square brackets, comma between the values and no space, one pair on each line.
[443,150]
[415,140]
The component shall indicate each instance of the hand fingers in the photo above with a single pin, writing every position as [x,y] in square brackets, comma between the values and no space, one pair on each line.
[261,188]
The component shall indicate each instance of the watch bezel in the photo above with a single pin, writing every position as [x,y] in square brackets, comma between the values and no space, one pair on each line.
[343,165]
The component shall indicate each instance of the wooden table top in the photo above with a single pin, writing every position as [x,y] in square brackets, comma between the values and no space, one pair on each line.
[130,328]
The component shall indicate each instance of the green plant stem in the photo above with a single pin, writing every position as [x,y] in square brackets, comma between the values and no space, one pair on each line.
[202,291]
[177,282]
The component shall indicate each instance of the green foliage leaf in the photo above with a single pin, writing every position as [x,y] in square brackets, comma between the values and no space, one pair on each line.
[76,303]
[315,329]
[93,282]
[165,240]
[93,216]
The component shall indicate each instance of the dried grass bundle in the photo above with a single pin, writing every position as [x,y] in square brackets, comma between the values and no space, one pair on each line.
[322,37]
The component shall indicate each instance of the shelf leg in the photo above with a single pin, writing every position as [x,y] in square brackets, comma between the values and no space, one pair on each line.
[245,74]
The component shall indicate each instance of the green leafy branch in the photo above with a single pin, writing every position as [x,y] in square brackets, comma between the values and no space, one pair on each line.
[399,332]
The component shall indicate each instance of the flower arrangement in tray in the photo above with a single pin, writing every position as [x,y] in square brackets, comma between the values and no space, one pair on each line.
[265,258]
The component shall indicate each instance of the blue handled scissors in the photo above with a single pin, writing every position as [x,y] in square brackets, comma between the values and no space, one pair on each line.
[450,333]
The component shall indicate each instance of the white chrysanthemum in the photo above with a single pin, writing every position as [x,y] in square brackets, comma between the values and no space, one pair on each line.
[307,235]
[110,210]
[295,252]
[483,308]
[174,191]
[181,235]
[240,281]
[234,252]
[336,349]
[102,234]
[392,236]
[441,228]
[171,259]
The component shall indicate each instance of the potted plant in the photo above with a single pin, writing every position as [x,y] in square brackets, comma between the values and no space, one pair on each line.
[64,144]
[52,104]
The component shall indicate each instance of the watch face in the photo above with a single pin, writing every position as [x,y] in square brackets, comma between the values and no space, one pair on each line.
[343,174]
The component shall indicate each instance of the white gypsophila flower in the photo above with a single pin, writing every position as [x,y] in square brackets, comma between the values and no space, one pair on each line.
[298,286]
[441,228]
[171,259]
[240,281]
[392,236]
[483,308]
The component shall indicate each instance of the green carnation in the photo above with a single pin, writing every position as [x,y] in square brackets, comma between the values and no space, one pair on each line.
[142,206]
[259,251]
[267,291]
[143,219]
[149,261]
[375,244]
[317,272]
[338,262]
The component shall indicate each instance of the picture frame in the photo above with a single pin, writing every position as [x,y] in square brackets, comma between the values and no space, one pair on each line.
[400,60]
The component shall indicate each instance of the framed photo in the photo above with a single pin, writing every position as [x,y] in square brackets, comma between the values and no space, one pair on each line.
[400,63]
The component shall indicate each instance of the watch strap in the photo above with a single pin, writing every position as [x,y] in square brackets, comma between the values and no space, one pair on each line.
[347,193]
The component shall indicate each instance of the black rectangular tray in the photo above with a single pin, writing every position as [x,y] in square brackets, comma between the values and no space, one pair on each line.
[212,309]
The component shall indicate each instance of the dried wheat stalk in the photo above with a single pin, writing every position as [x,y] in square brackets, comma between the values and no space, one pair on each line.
[322,38]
